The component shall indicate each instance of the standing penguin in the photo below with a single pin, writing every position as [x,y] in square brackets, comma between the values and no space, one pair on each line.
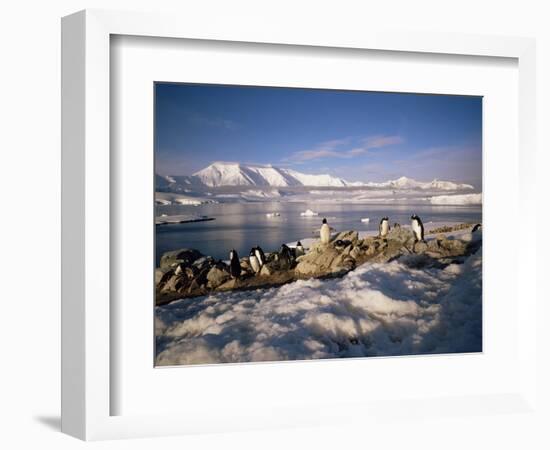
[325,232]
[234,264]
[477,227]
[286,258]
[260,255]
[299,249]
[384,227]
[254,263]
[417,227]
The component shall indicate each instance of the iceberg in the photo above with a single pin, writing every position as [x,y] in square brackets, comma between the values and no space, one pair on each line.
[309,213]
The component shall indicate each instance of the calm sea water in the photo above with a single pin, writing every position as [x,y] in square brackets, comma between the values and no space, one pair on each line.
[244,225]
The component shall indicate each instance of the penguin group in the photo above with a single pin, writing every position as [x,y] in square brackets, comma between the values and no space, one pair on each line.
[286,256]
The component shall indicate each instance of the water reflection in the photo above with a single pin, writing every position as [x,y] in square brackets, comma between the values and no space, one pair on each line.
[244,225]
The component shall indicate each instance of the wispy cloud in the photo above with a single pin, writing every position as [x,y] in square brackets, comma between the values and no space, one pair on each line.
[382,141]
[340,148]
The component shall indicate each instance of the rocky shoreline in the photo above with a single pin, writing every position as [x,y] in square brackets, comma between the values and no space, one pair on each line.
[187,273]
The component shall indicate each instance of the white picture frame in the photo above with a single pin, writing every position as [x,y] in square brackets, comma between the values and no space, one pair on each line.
[87,323]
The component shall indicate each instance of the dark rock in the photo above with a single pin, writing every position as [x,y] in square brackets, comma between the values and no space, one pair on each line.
[342,243]
[229,285]
[269,268]
[162,275]
[185,256]
[351,236]
[322,259]
[217,275]
[202,277]
[420,247]
[176,283]
[205,261]
[355,252]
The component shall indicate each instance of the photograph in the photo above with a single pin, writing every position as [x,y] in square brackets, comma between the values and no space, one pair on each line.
[298,224]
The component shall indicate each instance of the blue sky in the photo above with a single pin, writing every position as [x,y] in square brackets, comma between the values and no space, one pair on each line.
[359,136]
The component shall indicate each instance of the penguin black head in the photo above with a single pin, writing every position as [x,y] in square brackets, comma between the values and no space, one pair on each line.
[299,244]
[233,254]
[324,220]
[414,216]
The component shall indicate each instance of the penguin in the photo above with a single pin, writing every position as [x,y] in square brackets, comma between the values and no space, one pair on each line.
[325,232]
[384,227]
[234,264]
[260,255]
[286,258]
[254,263]
[300,249]
[418,228]
[477,227]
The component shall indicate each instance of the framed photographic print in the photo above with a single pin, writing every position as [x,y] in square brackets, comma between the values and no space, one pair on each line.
[251,216]
[359,236]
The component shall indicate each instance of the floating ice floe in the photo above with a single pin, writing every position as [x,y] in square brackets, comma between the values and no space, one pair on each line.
[365,220]
[309,213]
[273,214]
[164,219]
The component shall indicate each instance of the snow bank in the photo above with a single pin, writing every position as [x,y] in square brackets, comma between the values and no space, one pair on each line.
[376,310]
[168,198]
[464,199]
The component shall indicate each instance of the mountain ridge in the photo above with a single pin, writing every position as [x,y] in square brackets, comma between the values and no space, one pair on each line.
[224,174]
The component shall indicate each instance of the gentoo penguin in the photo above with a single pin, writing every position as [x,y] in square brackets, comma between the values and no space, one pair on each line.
[299,249]
[254,263]
[260,255]
[384,227]
[417,227]
[285,257]
[477,227]
[234,264]
[325,232]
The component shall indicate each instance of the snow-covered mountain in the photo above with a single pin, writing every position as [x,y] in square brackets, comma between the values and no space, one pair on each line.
[409,183]
[236,174]
[231,174]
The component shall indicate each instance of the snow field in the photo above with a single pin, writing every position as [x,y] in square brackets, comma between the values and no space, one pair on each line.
[375,310]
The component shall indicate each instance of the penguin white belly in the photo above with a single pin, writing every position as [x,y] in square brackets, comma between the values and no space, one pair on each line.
[325,233]
[417,230]
[259,258]
[384,228]
[254,264]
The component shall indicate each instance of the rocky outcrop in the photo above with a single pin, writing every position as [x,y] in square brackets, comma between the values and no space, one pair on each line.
[217,276]
[187,273]
[183,256]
